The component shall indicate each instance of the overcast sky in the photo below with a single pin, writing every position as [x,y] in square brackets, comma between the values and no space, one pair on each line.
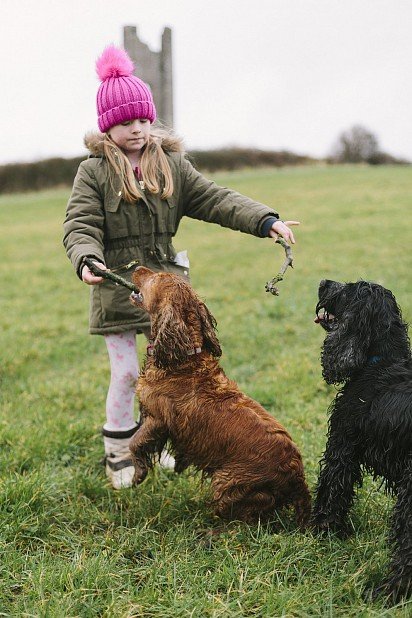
[273,74]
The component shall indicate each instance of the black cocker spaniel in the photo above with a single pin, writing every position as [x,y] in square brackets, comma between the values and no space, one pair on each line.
[367,349]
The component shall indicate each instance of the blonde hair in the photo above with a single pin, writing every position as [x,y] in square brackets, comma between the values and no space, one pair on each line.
[154,164]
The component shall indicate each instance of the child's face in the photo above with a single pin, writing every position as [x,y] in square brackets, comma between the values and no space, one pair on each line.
[131,135]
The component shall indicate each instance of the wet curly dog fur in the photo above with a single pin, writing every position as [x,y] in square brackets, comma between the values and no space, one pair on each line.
[367,349]
[187,400]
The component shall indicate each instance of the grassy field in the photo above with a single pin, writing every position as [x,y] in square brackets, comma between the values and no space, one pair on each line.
[70,546]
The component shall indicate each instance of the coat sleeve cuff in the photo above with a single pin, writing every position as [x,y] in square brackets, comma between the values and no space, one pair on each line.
[266,224]
[81,263]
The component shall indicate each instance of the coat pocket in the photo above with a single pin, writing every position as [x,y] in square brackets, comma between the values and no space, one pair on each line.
[172,223]
[164,215]
[116,218]
[115,299]
[111,203]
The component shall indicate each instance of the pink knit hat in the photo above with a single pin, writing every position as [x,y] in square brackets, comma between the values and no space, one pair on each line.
[121,96]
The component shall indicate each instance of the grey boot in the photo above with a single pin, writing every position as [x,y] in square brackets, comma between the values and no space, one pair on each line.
[118,458]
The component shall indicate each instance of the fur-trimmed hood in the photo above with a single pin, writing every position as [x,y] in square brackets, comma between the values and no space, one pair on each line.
[93,140]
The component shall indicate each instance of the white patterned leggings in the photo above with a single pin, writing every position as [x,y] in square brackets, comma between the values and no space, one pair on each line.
[124,367]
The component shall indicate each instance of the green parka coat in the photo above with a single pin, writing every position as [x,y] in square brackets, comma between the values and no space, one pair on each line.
[100,224]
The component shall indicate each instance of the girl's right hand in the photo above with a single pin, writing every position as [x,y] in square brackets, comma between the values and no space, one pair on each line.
[281,228]
[89,278]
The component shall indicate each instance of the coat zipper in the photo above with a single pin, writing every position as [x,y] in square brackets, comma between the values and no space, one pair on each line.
[125,266]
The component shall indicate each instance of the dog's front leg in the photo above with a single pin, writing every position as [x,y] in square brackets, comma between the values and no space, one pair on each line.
[181,463]
[148,439]
[340,472]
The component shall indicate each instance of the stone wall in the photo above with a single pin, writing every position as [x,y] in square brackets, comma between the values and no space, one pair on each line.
[154,68]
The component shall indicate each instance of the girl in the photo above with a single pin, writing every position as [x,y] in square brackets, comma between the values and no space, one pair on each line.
[125,207]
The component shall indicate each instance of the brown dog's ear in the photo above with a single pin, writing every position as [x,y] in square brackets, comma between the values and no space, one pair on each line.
[208,323]
[172,341]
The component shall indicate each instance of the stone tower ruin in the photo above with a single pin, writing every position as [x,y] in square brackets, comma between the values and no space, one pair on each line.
[154,68]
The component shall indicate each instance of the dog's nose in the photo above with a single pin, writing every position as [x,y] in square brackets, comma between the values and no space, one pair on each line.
[324,284]
[328,283]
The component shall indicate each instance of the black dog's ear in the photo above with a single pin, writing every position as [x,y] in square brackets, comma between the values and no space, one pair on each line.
[208,325]
[389,332]
[341,358]
[346,347]
[172,340]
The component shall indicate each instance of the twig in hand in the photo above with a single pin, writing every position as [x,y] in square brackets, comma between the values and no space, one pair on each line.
[107,274]
[271,285]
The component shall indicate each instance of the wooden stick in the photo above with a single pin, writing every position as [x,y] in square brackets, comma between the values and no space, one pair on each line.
[271,285]
[107,274]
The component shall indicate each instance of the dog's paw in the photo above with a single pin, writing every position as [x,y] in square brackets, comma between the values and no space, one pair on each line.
[139,475]
[180,464]
[326,525]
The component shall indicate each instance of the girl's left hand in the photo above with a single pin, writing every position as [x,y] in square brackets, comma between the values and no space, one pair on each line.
[281,228]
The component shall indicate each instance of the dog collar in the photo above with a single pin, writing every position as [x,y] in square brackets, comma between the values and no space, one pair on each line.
[190,353]
[374,359]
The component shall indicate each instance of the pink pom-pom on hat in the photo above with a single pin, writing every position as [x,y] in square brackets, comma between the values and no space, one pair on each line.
[113,62]
[121,96]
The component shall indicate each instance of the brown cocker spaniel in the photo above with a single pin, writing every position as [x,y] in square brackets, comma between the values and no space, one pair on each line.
[186,399]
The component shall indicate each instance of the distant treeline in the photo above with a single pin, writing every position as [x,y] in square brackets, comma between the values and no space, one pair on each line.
[238,158]
[20,177]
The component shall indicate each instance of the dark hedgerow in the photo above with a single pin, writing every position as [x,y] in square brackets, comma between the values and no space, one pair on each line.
[48,173]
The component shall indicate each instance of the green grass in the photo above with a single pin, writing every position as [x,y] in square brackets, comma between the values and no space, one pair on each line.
[69,545]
